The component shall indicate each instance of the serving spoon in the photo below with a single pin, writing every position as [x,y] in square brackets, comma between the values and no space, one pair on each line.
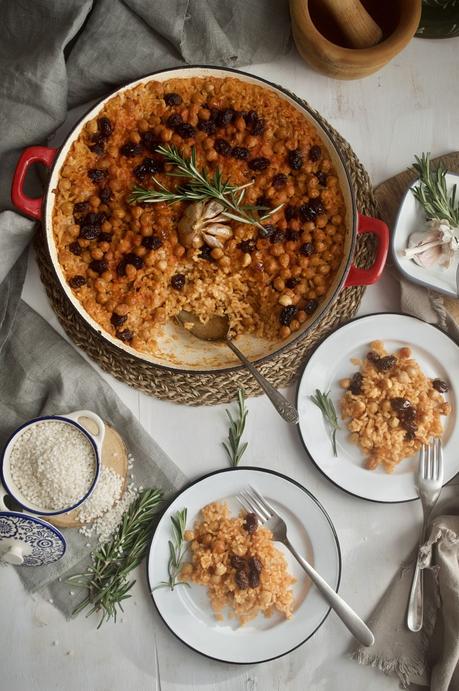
[216,329]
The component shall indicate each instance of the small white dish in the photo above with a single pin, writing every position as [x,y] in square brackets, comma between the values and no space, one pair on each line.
[438,356]
[411,218]
[187,611]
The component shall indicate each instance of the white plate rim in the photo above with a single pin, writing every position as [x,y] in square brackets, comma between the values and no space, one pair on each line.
[319,506]
[300,379]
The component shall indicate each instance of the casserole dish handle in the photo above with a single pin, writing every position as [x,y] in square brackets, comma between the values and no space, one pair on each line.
[30,206]
[365,277]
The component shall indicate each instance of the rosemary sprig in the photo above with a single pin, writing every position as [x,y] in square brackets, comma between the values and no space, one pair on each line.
[200,186]
[324,402]
[432,192]
[107,579]
[234,448]
[177,551]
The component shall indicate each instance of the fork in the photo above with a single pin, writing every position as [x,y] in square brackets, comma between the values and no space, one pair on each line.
[252,501]
[429,483]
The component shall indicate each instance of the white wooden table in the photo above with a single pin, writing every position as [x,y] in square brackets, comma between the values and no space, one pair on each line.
[410,106]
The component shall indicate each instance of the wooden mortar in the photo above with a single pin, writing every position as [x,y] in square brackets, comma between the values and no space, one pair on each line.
[332,55]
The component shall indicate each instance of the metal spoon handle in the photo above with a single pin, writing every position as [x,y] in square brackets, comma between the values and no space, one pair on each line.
[283,407]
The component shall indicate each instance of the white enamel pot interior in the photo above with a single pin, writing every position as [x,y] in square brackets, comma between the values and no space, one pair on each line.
[178,350]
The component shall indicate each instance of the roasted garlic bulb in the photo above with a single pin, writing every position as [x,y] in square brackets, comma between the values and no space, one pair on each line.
[203,223]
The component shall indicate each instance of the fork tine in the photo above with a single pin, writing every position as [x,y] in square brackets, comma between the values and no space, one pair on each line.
[436,460]
[422,462]
[440,459]
[264,502]
[242,502]
[260,506]
[252,507]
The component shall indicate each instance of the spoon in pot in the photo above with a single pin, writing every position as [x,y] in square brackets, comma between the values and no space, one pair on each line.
[216,329]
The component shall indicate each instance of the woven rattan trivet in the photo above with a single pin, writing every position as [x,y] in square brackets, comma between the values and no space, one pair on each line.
[209,389]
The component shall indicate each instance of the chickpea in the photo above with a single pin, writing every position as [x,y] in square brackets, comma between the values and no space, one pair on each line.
[97,253]
[301,316]
[217,253]
[284,260]
[284,332]
[279,284]
[294,325]
[165,135]
[285,300]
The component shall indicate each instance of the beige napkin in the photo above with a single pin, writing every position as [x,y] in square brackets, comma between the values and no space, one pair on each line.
[432,655]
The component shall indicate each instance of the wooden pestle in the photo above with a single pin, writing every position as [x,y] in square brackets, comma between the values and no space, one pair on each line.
[354,21]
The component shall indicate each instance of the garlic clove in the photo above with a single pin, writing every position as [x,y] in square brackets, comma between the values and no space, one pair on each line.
[212,209]
[212,241]
[218,230]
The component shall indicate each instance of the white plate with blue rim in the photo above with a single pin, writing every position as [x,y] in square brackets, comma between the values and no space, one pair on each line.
[438,357]
[187,611]
[410,219]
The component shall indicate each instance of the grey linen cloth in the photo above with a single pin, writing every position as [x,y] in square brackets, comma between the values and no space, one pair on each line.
[57,55]
[430,657]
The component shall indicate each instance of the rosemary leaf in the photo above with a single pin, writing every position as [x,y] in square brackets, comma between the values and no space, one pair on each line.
[325,404]
[198,187]
[233,447]
[432,192]
[106,581]
[177,551]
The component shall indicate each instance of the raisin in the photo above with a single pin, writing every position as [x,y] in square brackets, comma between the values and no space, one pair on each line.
[206,254]
[255,564]
[242,580]
[172,99]
[385,363]
[98,147]
[134,260]
[130,150]
[185,131]
[322,178]
[258,127]
[237,562]
[410,435]
[152,242]
[77,281]
[290,212]
[407,415]
[104,237]
[88,220]
[174,121]
[105,127]
[247,246]
[96,175]
[207,126]
[268,230]
[222,147]
[400,404]
[307,248]
[315,152]
[309,211]
[295,159]
[149,166]
[89,232]
[105,194]
[355,386]
[98,265]
[80,207]
[440,385]
[277,236]
[310,306]
[287,314]
[126,335]
[263,202]
[118,319]
[75,248]
[225,117]
[240,152]
[251,117]
[178,281]
[292,282]
[121,268]
[150,141]
[251,523]
[373,357]
[260,163]
[254,579]
[292,235]
[279,180]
